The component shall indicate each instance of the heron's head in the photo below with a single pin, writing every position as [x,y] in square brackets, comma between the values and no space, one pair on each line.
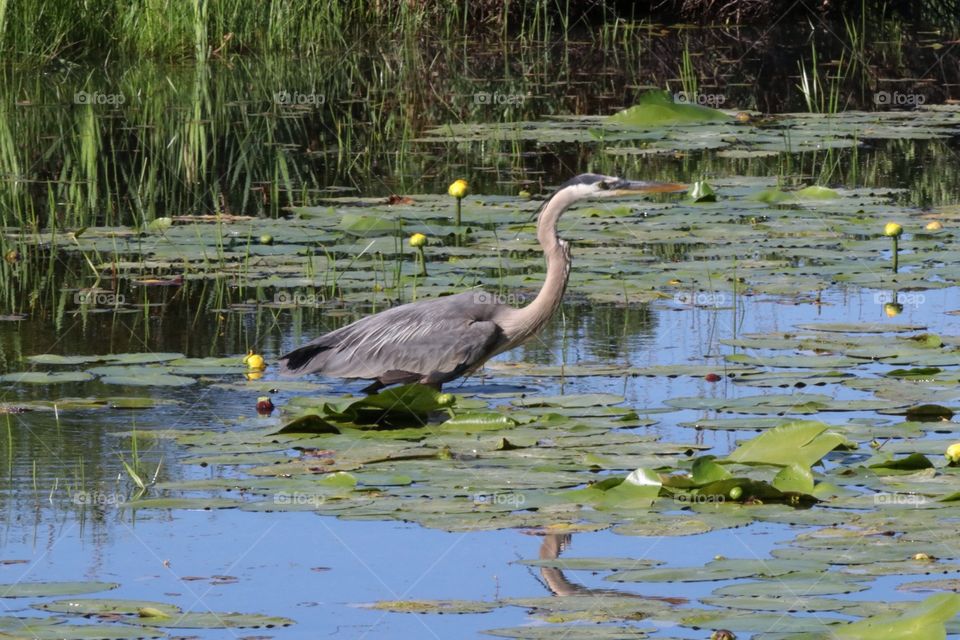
[592,185]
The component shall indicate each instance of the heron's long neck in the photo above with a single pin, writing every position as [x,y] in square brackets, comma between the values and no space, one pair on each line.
[528,320]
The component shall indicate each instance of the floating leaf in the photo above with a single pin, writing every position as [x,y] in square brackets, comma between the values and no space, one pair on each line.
[308,423]
[702,192]
[922,621]
[656,108]
[216,620]
[46,589]
[795,478]
[816,192]
[912,462]
[705,471]
[803,443]
[97,606]
[47,377]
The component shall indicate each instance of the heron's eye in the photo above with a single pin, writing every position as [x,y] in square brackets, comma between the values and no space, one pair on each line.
[603,185]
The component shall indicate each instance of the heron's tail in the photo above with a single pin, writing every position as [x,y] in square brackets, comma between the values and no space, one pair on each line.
[306,359]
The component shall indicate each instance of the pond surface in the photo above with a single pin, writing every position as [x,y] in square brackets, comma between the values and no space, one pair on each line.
[159,239]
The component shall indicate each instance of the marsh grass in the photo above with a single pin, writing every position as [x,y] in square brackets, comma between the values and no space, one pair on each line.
[200,29]
[821,91]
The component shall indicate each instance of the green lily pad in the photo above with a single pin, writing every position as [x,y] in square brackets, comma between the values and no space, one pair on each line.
[803,443]
[216,620]
[46,377]
[47,589]
[921,621]
[96,606]
[434,606]
[570,632]
[204,504]
[308,423]
[35,630]
[637,490]
[816,192]
[402,402]
[656,108]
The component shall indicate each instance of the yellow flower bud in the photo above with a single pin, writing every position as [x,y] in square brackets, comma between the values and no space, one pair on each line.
[417,240]
[892,309]
[458,189]
[892,230]
[254,362]
[446,399]
[953,453]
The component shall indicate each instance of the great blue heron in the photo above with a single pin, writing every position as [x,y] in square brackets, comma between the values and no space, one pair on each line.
[437,340]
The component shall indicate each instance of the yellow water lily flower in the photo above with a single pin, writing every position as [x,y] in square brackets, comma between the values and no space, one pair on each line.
[458,188]
[953,453]
[936,225]
[417,240]
[255,362]
[892,230]
[892,309]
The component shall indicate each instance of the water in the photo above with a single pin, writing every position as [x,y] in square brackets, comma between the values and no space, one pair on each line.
[320,571]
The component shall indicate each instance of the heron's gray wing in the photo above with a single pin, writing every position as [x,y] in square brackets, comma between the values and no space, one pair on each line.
[431,340]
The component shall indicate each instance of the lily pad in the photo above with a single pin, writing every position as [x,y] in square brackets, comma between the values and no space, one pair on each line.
[656,108]
[216,620]
[803,443]
[46,377]
[46,589]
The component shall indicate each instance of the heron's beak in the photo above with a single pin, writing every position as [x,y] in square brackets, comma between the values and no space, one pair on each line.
[627,187]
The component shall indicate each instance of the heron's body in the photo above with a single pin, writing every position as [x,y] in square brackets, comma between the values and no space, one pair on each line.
[437,340]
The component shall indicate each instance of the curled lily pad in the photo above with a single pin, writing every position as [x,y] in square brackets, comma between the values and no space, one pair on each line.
[308,423]
[477,421]
[639,489]
[923,620]
[702,192]
[912,462]
[816,192]
[406,402]
[803,442]
[656,108]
